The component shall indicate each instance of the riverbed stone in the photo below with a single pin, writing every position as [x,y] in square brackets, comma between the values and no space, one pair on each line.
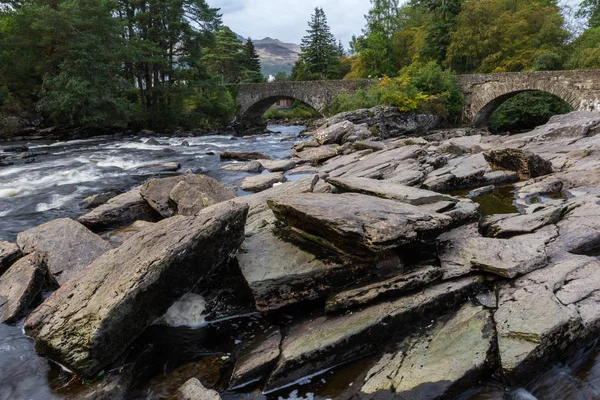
[160,167]
[526,163]
[22,284]
[314,345]
[449,250]
[262,182]
[9,253]
[278,165]
[390,190]
[120,211]
[356,223]
[97,200]
[92,318]
[333,134]
[69,246]
[164,195]
[447,359]
[509,225]
[393,287]
[243,155]
[316,155]
[369,145]
[257,359]
[194,390]
[251,167]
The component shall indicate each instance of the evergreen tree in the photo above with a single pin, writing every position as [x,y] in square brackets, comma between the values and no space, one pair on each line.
[319,56]
[225,57]
[445,13]
[250,64]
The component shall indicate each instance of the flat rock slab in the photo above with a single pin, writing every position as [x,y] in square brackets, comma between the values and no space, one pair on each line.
[69,246]
[390,190]
[257,359]
[278,165]
[509,225]
[21,285]
[334,133]
[357,223]
[9,253]
[194,390]
[251,167]
[90,320]
[279,273]
[243,155]
[120,211]
[542,314]
[325,342]
[119,236]
[159,193]
[262,182]
[526,163]
[392,287]
[449,358]
[317,154]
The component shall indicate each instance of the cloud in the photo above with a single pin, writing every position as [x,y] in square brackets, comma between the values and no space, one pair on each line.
[286,20]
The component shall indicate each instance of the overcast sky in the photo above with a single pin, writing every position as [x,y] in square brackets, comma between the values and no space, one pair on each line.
[286,20]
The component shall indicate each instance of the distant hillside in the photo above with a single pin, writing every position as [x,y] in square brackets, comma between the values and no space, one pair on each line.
[275,55]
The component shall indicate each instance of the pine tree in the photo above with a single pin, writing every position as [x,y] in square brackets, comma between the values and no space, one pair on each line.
[225,57]
[319,49]
[251,63]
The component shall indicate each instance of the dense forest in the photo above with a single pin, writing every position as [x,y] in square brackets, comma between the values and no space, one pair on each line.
[169,63]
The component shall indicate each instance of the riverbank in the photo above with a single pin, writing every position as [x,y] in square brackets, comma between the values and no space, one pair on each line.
[375,262]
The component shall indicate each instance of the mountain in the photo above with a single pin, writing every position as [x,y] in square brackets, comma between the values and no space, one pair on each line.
[275,55]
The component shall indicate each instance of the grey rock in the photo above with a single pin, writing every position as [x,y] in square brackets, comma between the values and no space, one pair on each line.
[158,192]
[552,186]
[120,211]
[251,166]
[194,390]
[257,360]
[390,190]
[449,250]
[447,359]
[509,225]
[119,236]
[243,155]
[97,200]
[393,287]
[480,191]
[333,134]
[526,163]
[21,285]
[324,342]
[278,165]
[262,182]
[151,141]
[356,223]
[94,317]
[500,177]
[369,145]
[160,167]
[187,200]
[185,143]
[69,246]
[316,154]
[9,253]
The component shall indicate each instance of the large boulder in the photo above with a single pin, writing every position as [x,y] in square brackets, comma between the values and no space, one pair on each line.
[333,134]
[21,285]
[356,223]
[316,155]
[526,163]
[69,246]
[92,319]
[439,363]
[278,165]
[250,167]
[120,211]
[9,253]
[159,193]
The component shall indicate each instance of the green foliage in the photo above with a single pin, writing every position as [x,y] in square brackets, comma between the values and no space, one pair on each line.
[586,53]
[547,61]
[209,106]
[281,77]
[224,58]
[590,10]
[299,111]
[250,64]
[319,58]
[353,101]
[526,111]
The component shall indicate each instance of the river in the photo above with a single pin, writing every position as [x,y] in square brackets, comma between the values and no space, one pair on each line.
[54,186]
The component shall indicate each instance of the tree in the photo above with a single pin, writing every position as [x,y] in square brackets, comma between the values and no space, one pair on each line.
[319,56]
[225,57]
[281,76]
[590,10]
[445,14]
[586,53]
[250,63]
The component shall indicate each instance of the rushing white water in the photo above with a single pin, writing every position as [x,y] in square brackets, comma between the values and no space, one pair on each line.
[54,185]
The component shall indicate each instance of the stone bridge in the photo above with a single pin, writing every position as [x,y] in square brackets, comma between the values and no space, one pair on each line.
[483,93]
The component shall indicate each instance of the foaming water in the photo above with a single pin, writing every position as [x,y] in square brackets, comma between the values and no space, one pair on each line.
[55,184]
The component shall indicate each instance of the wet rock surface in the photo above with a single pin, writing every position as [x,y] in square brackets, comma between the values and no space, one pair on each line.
[243,155]
[68,245]
[194,390]
[90,320]
[9,253]
[262,182]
